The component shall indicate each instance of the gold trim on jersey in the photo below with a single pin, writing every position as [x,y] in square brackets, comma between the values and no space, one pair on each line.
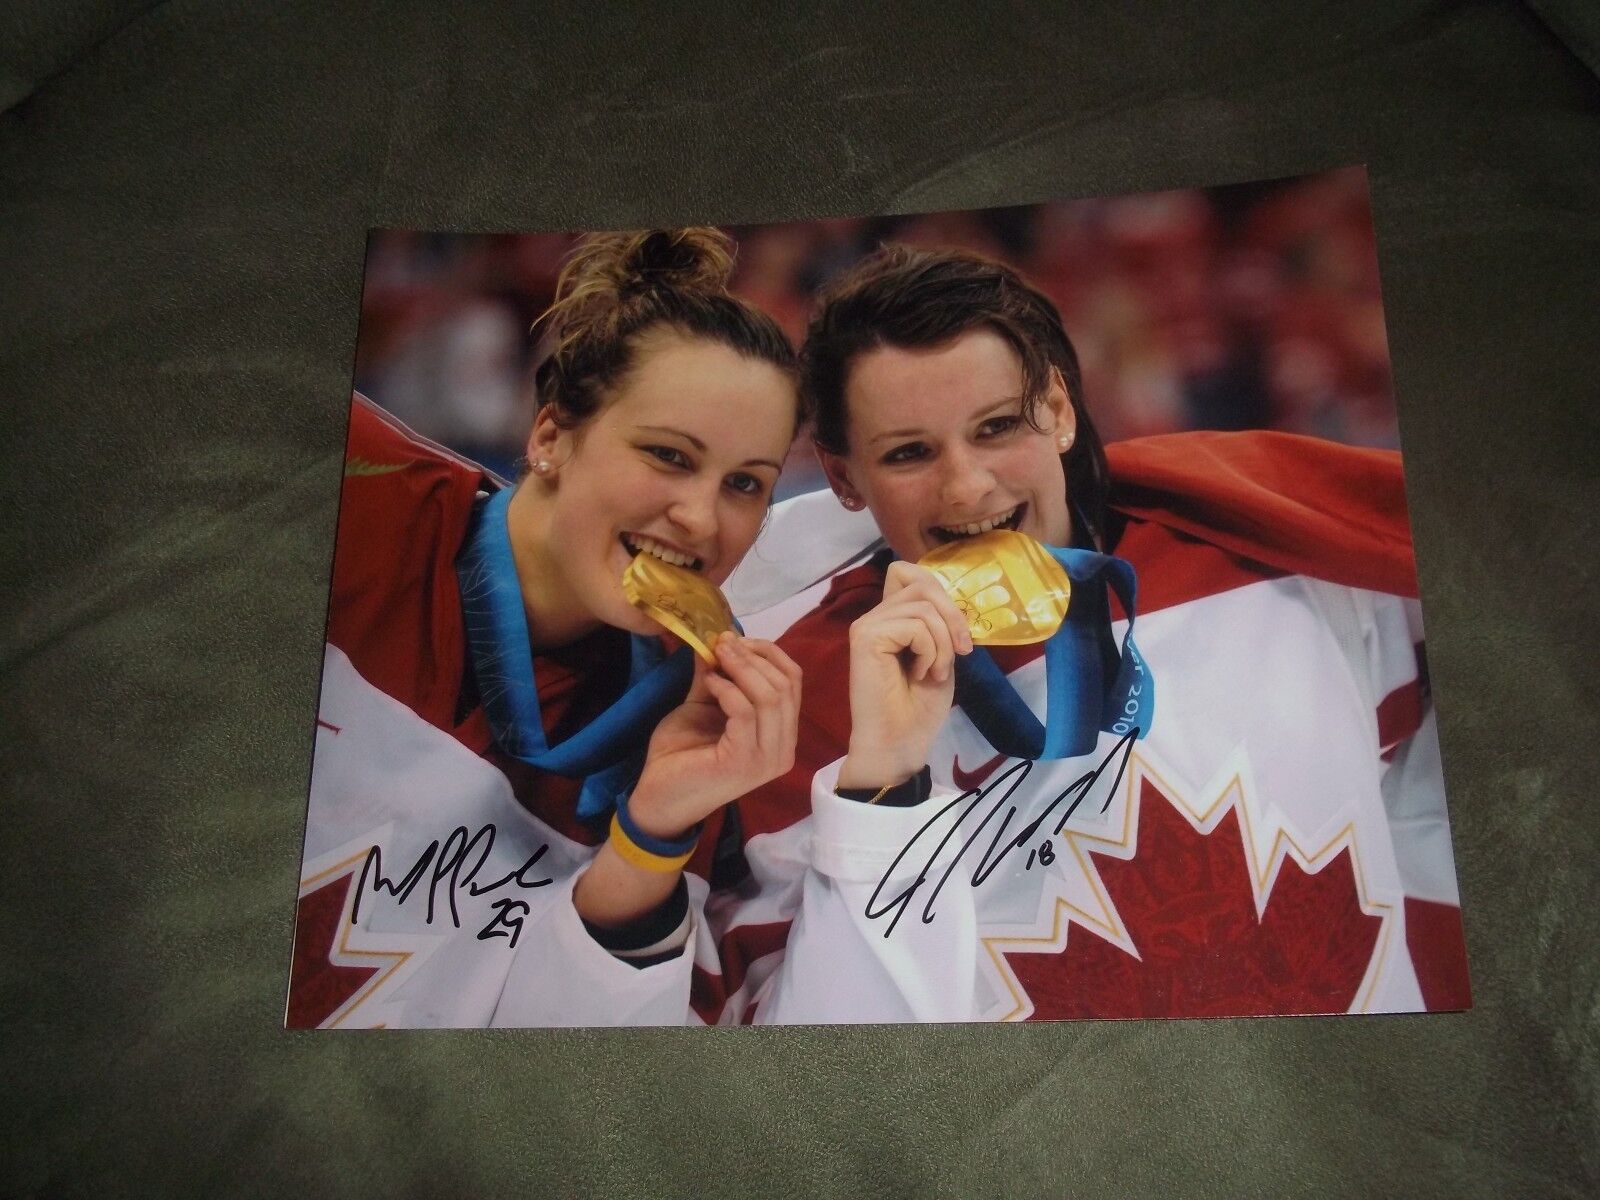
[351,866]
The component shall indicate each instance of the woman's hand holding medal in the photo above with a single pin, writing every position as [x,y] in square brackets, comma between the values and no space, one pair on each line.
[902,677]
[737,727]
[999,588]
[735,731]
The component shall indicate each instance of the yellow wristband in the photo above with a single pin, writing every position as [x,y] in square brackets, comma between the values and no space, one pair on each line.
[639,857]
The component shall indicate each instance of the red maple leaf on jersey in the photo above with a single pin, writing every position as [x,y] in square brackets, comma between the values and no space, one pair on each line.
[1185,900]
[318,986]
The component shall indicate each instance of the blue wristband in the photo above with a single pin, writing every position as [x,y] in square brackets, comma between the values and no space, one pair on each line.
[655,845]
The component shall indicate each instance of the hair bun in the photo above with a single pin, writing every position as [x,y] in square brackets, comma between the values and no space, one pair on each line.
[608,270]
[616,285]
[697,259]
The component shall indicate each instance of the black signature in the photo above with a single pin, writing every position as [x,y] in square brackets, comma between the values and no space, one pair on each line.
[449,864]
[991,858]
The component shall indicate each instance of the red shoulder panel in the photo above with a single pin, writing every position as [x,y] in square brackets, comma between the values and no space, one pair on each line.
[1294,504]
[394,607]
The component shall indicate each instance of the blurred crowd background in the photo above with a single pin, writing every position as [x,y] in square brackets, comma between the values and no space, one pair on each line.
[1240,307]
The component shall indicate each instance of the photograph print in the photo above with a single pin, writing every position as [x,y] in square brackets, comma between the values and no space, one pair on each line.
[973,616]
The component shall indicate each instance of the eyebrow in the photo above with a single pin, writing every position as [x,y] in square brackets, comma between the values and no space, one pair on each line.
[893,433]
[701,446]
[980,415]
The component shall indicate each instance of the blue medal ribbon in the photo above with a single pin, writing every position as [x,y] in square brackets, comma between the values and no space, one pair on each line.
[608,753]
[1090,686]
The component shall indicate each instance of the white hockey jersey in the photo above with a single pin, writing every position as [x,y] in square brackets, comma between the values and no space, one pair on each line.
[1277,843]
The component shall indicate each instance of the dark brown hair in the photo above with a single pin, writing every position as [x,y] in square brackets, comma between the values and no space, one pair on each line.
[902,297]
[615,287]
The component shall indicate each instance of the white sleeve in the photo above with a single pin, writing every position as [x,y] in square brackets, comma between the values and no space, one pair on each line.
[1380,634]
[1413,779]
[563,977]
[842,965]
[1413,796]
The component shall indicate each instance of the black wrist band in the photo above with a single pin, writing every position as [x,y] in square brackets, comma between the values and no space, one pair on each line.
[901,795]
[647,929]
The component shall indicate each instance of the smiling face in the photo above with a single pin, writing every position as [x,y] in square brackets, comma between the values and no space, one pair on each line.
[939,448]
[679,463]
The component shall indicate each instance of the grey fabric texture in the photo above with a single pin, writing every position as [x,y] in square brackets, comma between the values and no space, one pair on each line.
[185,191]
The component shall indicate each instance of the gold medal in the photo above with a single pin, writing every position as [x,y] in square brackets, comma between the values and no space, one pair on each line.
[1007,585]
[685,602]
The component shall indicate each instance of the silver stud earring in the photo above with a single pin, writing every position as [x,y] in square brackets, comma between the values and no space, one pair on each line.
[851,503]
[541,467]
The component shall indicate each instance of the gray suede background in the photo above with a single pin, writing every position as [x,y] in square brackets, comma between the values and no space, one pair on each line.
[185,190]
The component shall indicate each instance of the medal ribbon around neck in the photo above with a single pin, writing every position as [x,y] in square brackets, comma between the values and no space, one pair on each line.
[607,753]
[1090,685]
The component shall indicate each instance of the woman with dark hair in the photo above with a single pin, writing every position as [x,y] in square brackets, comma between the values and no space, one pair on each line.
[911,299]
[1239,813]
[516,809]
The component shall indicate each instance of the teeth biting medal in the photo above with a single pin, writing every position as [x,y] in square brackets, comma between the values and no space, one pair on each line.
[685,602]
[1010,589]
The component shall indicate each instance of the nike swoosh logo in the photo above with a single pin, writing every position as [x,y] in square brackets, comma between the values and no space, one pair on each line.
[969,780]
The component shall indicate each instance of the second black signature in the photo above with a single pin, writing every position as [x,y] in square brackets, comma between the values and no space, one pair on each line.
[1006,784]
